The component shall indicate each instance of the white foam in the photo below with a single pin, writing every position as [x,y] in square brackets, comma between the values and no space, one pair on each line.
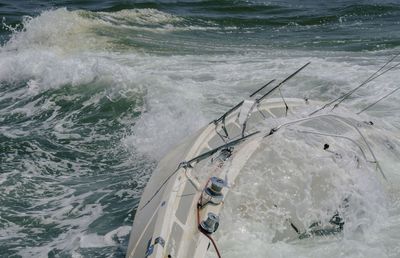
[182,94]
[293,163]
[144,16]
[186,92]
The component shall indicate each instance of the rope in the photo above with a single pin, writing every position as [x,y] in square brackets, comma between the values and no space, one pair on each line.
[198,206]
[212,241]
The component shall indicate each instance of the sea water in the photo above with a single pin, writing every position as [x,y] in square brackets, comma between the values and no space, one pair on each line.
[94,93]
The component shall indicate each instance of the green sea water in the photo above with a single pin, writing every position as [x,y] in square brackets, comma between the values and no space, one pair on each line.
[94,93]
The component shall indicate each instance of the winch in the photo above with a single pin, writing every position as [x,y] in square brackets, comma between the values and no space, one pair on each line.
[212,193]
[210,225]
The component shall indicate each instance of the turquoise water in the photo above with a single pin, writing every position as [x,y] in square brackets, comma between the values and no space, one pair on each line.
[94,93]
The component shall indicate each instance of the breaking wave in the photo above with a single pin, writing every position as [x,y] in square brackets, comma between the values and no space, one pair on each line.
[90,100]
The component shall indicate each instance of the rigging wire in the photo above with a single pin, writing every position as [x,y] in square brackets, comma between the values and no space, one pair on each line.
[284,101]
[187,164]
[338,118]
[281,83]
[376,102]
[369,79]
[354,90]
[258,90]
[257,100]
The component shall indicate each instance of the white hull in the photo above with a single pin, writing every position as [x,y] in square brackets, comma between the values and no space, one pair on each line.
[166,223]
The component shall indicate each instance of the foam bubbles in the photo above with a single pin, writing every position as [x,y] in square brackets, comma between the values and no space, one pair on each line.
[77,89]
[292,177]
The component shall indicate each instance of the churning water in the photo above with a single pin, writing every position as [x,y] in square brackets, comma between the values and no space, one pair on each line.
[93,94]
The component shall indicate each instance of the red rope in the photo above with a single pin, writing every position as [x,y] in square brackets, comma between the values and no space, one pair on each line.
[201,229]
[212,241]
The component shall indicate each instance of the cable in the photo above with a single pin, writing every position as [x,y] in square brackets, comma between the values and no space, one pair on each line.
[376,102]
[338,118]
[369,79]
[284,101]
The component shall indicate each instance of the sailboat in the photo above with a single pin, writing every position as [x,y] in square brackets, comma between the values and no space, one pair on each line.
[180,209]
